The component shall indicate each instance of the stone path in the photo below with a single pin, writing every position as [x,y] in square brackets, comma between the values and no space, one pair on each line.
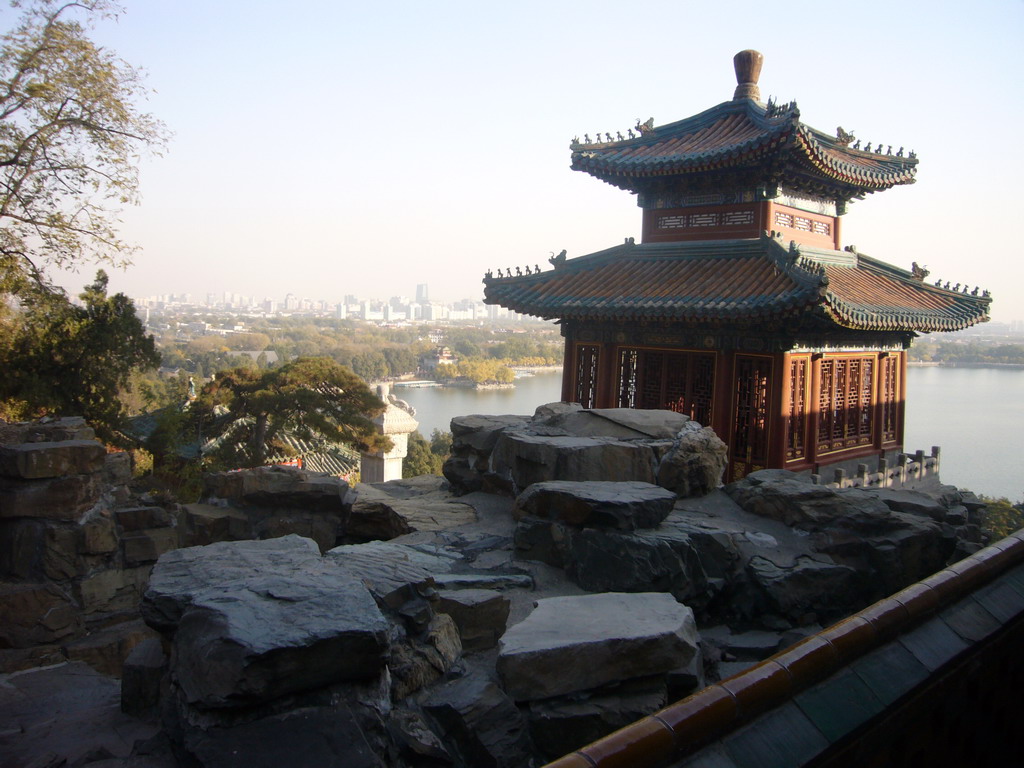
[63,715]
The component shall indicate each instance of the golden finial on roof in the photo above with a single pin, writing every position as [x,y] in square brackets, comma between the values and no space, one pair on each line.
[748,69]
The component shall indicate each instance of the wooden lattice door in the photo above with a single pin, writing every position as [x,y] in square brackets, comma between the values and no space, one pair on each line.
[750,422]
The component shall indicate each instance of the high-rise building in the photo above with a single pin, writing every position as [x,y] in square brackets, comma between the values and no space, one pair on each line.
[422,294]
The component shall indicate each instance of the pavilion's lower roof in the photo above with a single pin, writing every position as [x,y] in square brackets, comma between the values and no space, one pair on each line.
[737,281]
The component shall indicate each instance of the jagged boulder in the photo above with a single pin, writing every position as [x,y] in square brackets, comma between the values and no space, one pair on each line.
[696,462]
[866,540]
[479,722]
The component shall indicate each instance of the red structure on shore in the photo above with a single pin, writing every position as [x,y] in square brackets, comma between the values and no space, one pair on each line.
[740,307]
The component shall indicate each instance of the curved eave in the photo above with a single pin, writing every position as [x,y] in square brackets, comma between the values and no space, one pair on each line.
[853,167]
[711,282]
[619,172]
[879,297]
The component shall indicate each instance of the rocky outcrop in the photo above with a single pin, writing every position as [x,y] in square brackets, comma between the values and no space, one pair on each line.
[397,507]
[75,550]
[566,443]
[252,621]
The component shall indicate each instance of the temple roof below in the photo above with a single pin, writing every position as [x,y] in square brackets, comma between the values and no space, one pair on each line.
[738,281]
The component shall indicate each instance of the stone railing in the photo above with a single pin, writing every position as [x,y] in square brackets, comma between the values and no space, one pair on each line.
[908,469]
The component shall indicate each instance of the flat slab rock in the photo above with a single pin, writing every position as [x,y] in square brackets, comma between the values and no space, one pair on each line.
[577,643]
[254,620]
[395,508]
[624,506]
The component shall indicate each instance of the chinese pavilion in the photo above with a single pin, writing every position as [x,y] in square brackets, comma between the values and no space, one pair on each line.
[740,307]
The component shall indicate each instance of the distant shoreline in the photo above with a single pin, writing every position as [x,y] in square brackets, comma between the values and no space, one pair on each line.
[943,364]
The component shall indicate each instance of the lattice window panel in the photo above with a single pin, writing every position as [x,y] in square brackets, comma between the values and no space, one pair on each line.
[865,425]
[704,219]
[783,219]
[702,388]
[676,384]
[737,218]
[821,228]
[586,374]
[649,393]
[627,378]
[671,222]
[826,412]
[839,404]
[845,404]
[801,223]
[679,381]
[750,419]
[797,423]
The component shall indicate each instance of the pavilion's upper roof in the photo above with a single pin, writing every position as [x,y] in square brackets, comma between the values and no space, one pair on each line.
[744,142]
[738,281]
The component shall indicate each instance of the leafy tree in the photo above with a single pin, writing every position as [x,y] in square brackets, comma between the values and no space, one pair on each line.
[312,398]
[420,460]
[61,358]
[70,134]
[426,458]
[441,443]
[370,366]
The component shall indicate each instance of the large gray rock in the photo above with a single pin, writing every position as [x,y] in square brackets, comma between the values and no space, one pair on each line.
[57,498]
[253,621]
[480,615]
[37,461]
[479,433]
[565,723]
[340,725]
[527,459]
[395,508]
[808,589]
[34,614]
[278,487]
[623,423]
[661,560]
[393,571]
[624,506]
[857,529]
[576,643]
[696,462]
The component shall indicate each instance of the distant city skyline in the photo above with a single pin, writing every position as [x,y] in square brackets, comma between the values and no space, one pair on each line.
[354,145]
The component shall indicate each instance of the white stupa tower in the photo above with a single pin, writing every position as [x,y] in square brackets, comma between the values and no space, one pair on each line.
[396,422]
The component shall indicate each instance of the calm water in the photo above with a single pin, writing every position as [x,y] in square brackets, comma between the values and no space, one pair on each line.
[975,414]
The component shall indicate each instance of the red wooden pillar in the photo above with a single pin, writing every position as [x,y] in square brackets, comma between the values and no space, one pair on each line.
[604,394]
[778,410]
[813,409]
[569,370]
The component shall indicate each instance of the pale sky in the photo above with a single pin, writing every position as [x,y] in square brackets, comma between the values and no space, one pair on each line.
[328,148]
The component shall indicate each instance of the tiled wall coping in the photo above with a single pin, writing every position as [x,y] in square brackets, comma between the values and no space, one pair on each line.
[682,728]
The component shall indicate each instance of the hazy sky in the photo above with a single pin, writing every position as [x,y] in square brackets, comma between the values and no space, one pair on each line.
[327,148]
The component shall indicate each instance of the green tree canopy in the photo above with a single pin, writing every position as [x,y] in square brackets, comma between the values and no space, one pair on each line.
[70,136]
[314,399]
[74,360]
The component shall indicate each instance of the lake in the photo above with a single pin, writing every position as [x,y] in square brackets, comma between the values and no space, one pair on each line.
[975,414]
